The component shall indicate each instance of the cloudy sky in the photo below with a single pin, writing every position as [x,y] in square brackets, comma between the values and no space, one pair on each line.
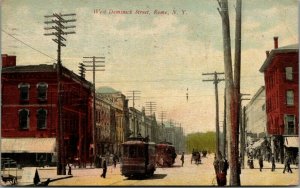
[160,55]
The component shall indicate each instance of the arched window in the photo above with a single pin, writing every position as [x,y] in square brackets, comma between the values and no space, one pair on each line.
[24,119]
[42,91]
[24,91]
[41,119]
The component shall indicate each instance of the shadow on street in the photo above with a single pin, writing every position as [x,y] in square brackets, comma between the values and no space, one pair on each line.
[155,176]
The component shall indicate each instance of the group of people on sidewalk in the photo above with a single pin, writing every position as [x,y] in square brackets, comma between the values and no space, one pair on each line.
[287,164]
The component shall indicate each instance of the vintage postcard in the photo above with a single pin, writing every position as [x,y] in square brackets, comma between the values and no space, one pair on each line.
[149,93]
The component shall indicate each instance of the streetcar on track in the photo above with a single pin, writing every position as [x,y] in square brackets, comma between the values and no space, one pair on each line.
[138,157]
[165,154]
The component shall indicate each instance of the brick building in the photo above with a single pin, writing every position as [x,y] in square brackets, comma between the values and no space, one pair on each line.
[30,113]
[282,95]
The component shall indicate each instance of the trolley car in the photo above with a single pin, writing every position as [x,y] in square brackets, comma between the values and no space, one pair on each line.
[138,157]
[165,154]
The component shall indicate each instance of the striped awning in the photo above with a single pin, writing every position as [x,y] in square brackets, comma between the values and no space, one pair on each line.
[28,145]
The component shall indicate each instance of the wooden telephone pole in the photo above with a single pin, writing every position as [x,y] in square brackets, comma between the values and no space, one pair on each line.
[134,96]
[216,80]
[59,28]
[242,129]
[93,63]
[150,107]
[232,87]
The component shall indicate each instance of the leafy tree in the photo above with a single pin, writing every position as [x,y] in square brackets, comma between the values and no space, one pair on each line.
[201,141]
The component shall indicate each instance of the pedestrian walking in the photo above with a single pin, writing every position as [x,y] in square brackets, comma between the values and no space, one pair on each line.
[216,165]
[287,163]
[261,163]
[182,158]
[226,166]
[104,167]
[273,163]
[115,160]
[200,157]
[70,169]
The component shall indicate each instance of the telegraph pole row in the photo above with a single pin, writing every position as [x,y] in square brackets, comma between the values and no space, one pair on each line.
[151,106]
[92,63]
[216,80]
[134,96]
[58,27]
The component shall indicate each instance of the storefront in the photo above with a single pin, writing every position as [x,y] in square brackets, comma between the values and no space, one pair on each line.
[291,145]
[29,151]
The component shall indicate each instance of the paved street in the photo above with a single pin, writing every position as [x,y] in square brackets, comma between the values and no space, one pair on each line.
[190,174]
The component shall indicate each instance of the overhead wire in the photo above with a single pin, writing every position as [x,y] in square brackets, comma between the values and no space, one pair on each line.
[27,44]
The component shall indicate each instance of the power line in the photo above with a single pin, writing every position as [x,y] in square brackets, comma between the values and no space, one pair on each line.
[27,44]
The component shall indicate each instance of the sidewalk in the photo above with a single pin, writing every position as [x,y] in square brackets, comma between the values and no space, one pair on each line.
[268,165]
[26,175]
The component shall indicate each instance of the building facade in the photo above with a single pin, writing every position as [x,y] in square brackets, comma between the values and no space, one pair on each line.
[104,129]
[282,95]
[256,116]
[30,113]
[119,116]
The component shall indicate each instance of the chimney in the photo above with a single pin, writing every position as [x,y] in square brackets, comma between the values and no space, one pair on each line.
[267,53]
[275,42]
[8,61]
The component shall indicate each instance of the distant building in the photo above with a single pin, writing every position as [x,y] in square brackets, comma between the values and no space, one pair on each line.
[256,116]
[119,116]
[105,127]
[29,125]
[282,95]
[137,122]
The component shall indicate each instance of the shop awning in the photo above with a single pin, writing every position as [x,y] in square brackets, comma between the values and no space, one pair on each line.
[28,145]
[291,142]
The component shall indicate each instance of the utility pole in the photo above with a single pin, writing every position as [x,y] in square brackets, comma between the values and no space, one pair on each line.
[162,133]
[216,80]
[162,116]
[243,137]
[242,130]
[59,28]
[224,127]
[237,82]
[134,96]
[231,107]
[82,70]
[92,63]
[150,107]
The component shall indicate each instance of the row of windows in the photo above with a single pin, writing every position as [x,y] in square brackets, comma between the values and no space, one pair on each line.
[24,118]
[41,91]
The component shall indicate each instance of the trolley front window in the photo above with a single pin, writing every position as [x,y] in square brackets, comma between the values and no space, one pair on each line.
[133,151]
